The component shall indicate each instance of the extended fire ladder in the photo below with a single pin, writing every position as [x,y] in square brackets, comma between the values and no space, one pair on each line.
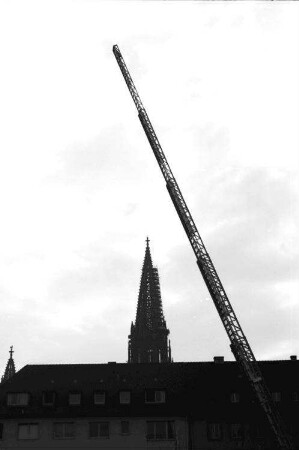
[238,342]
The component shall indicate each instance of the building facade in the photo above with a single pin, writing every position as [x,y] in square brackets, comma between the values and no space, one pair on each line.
[150,403]
[187,406]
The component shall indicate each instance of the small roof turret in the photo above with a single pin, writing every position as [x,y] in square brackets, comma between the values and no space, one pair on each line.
[10,367]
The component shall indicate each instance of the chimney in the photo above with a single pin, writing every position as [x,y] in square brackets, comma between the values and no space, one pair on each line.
[218,359]
[293,357]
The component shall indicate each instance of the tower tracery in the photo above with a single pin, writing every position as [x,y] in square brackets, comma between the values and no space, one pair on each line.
[148,340]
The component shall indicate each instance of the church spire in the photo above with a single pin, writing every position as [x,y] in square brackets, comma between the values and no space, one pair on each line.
[148,341]
[10,367]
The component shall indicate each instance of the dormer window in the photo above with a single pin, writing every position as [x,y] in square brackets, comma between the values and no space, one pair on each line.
[48,398]
[124,397]
[99,397]
[234,397]
[159,356]
[150,355]
[17,399]
[276,397]
[74,398]
[155,396]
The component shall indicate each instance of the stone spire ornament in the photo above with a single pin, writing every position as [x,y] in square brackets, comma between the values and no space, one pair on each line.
[148,341]
[10,367]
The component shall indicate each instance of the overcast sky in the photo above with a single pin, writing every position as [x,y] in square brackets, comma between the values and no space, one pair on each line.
[80,188]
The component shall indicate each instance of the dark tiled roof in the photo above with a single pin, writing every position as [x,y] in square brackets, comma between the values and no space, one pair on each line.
[191,388]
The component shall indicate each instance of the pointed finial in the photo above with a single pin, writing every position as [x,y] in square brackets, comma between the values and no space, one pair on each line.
[10,367]
[147,242]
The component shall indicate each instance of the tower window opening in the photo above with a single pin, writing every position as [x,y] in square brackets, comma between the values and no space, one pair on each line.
[150,355]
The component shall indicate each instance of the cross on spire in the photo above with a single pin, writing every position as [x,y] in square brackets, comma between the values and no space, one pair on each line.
[147,241]
[11,351]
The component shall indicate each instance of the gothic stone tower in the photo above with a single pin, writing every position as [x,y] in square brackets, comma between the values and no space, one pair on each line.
[148,341]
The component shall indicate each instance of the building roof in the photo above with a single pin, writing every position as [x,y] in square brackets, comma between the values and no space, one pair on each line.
[193,388]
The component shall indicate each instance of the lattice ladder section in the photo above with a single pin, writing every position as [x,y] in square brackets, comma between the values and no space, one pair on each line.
[238,342]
